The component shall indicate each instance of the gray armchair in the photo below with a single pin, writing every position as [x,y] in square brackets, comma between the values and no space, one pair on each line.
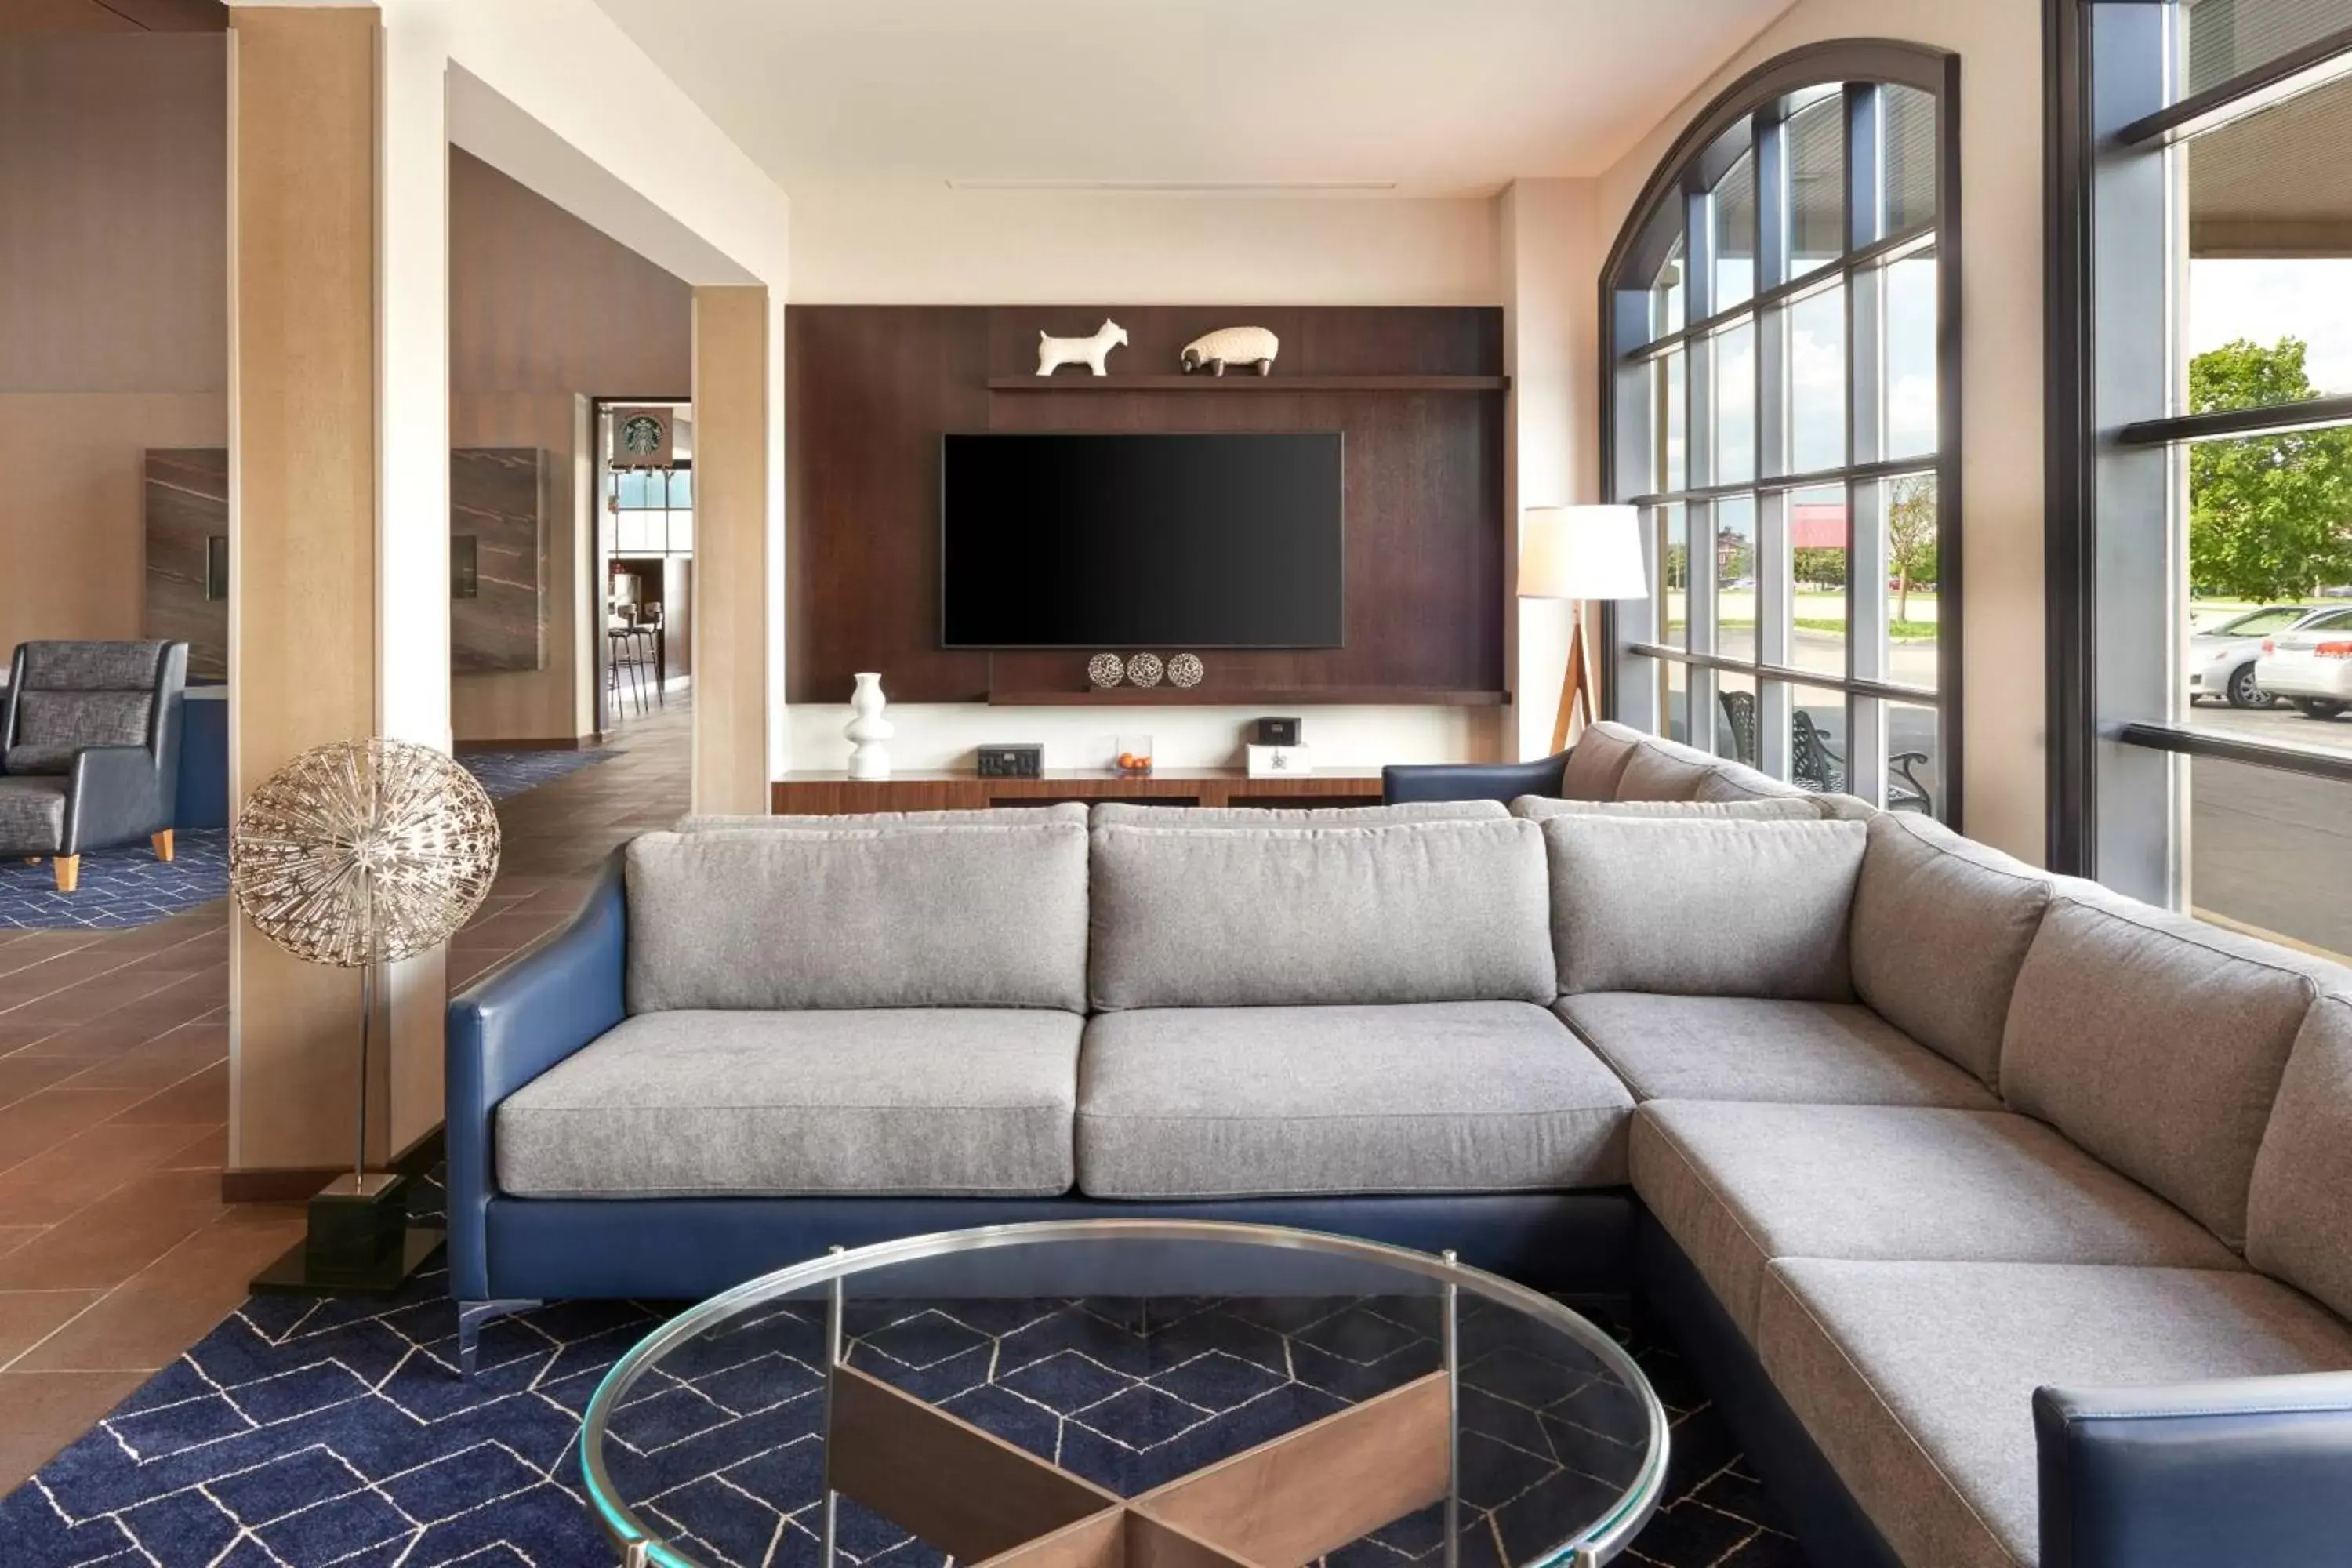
[90,749]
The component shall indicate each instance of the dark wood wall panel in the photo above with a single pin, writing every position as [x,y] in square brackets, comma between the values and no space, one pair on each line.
[869,391]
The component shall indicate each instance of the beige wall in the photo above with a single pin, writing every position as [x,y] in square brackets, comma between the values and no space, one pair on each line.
[1999,46]
[1550,250]
[543,310]
[113,308]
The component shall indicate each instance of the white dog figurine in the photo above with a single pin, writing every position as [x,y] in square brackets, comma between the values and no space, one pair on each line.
[1055,352]
[1233,345]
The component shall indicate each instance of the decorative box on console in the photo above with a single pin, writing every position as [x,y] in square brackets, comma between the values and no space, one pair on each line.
[1280,761]
[1027,761]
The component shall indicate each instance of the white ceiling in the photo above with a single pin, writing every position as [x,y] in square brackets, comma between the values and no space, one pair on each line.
[1437,96]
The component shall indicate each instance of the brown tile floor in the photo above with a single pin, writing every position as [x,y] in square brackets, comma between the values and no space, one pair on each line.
[116,1250]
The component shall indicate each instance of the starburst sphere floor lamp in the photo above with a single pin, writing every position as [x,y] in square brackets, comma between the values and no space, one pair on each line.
[354,855]
[1581,553]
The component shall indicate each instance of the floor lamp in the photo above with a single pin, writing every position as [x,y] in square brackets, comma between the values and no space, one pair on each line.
[356,855]
[1581,553]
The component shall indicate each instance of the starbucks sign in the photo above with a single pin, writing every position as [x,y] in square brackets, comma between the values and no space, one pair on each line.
[641,438]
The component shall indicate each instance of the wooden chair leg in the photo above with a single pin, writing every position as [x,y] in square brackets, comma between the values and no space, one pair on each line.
[162,842]
[68,870]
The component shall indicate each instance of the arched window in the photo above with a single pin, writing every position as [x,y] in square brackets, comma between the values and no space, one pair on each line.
[1781,316]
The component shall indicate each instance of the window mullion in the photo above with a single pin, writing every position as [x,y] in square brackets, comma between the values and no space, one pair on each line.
[1772,219]
[1865,168]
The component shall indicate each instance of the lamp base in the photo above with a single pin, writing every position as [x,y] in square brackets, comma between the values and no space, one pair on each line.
[360,1242]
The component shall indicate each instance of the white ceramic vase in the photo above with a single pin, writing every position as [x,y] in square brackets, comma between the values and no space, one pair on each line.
[867,730]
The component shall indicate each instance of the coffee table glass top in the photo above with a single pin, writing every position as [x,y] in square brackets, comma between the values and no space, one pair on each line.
[1126,1393]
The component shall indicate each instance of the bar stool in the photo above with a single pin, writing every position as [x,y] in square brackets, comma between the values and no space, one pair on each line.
[650,628]
[620,639]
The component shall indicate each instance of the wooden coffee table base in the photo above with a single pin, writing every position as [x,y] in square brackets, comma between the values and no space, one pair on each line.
[1284,1502]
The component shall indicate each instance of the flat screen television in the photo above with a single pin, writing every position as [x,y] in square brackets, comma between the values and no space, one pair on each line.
[1167,542]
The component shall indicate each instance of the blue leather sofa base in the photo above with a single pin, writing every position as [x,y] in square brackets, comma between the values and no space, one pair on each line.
[1674,1300]
[1578,1244]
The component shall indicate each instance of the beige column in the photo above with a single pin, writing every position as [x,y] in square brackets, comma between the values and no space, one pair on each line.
[731,549]
[302,518]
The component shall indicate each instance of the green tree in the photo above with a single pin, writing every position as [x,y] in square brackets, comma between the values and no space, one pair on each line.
[1911,538]
[2270,517]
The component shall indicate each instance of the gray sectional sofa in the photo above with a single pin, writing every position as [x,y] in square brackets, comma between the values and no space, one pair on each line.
[2011,1220]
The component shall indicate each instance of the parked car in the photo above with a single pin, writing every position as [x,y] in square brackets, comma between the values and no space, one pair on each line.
[2310,664]
[2222,658]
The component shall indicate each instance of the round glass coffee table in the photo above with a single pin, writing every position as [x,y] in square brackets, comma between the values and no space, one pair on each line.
[1126,1393]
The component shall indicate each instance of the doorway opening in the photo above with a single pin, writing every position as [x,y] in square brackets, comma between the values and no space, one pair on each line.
[641,586]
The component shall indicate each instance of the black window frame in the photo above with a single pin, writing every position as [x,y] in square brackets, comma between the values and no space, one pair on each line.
[2107,124]
[1697,158]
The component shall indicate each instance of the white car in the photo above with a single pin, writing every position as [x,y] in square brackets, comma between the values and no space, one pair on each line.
[2310,664]
[2222,658]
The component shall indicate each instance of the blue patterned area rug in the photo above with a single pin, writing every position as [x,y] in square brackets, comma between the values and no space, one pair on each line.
[303,1433]
[127,886]
[511,772]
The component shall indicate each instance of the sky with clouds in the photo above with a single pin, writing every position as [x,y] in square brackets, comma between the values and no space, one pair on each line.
[2265,300]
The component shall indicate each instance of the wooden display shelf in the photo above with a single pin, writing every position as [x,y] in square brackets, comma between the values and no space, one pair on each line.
[1249,696]
[1245,381]
[838,794]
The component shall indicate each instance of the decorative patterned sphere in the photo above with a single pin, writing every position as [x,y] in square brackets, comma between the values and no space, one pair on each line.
[1143,669]
[363,852]
[1106,669]
[1185,671]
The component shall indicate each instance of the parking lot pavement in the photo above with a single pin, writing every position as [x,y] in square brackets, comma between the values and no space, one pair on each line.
[2273,849]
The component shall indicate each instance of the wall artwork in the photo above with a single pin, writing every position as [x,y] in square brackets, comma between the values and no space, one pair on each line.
[187,554]
[498,558]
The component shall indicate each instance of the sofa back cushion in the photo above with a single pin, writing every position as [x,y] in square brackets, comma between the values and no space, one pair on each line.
[1736,781]
[992,817]
[1596,760]
[2156,1042]
[1704,908]
[1940,929]
[1663,770]
[1537,808]
[911,916]
[52,726]
[67,665]
[1134,816]
[1240,917]
[2299,1215]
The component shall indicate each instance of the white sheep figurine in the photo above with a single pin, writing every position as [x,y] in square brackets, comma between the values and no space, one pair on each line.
[1055,352]
[1233,345]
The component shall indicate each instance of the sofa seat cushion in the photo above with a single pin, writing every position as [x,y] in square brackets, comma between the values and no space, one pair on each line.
[1739,1184]
[1917,1379]
[1415,1097]
[32,813]
[1745,1048]
[885,1101]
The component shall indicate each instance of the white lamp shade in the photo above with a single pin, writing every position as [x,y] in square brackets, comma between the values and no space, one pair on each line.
[1581,553]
